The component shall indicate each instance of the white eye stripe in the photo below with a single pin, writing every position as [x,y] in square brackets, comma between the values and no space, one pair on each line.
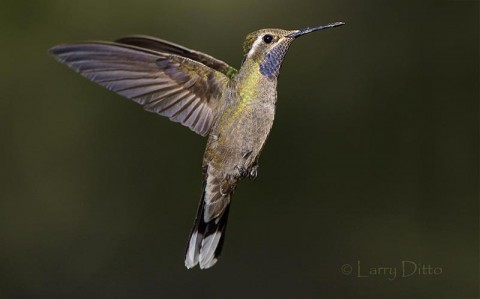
[255,45]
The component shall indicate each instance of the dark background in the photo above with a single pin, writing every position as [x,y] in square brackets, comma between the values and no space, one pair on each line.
[373,157]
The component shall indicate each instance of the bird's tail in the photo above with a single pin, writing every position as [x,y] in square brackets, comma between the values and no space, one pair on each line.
[208,233]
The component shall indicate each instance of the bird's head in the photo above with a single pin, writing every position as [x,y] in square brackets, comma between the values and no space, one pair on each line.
[267,47]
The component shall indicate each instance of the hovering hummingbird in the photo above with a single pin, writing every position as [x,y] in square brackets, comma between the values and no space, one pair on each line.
[234,108]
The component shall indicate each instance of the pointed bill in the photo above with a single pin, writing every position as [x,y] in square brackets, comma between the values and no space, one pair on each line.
[304,31]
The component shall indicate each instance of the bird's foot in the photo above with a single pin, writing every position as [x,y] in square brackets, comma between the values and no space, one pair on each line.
[249,173]
[253,172]
[241,171]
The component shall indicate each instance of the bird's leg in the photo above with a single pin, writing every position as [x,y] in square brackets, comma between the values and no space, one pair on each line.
[242,171]
[251,169]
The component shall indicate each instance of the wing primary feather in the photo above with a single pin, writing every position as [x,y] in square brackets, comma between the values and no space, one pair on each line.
[194,108]
[186,103]
[184,85]
[173,102]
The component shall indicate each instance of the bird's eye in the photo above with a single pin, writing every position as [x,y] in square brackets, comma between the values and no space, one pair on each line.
[267,38]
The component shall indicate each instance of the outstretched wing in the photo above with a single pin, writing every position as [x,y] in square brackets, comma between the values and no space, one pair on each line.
[185,90]
[161,45]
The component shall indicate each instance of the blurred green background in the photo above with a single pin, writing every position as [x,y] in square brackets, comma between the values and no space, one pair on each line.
[373,158]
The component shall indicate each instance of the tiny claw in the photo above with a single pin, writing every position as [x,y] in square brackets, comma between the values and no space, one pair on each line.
[253,172]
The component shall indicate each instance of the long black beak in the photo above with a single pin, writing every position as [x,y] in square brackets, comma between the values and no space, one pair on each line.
[311,29]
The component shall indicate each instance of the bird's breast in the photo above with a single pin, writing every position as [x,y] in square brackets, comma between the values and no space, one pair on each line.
[244,124]
[239,135]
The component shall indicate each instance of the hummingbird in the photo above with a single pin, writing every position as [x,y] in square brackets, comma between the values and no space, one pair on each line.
[234,108]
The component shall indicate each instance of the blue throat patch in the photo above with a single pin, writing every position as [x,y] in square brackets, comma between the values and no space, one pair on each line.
[270,66]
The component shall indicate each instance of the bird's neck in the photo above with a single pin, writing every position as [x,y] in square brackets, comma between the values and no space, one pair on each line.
[253,86]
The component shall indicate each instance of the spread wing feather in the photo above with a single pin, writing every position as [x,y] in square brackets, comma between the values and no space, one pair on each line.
[161,45]
[178,87]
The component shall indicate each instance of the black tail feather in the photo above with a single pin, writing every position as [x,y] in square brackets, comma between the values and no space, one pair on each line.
[206,239]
